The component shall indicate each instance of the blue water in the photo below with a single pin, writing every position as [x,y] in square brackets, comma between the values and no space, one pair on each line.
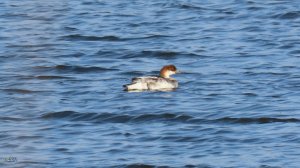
[63,64]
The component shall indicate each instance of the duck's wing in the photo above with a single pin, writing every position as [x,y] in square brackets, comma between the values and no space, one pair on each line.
[162,84]
[140,83]
[145,79]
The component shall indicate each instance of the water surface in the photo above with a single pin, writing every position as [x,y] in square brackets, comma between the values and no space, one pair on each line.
[63,64]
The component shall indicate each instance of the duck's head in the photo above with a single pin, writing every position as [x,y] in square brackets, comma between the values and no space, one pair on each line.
[167,71]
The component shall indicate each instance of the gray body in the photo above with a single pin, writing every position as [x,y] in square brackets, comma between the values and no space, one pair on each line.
[151,83]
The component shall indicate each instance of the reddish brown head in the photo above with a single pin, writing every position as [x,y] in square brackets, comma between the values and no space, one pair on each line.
[168,70]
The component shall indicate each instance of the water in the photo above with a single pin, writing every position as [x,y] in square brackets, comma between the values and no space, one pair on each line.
[63,64]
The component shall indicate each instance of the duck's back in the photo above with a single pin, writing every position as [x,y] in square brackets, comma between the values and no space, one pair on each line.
[151,83]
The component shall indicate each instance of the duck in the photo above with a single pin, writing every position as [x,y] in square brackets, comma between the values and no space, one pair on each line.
[162,82]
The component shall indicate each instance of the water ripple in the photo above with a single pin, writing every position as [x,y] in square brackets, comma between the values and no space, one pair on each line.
[49,77]
[168,117]
[20,91]
[73,68]
[288,15]
[63,64]
[78,37]
[261,120]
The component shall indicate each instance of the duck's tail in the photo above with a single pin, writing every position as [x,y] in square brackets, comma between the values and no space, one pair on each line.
[132,86]
[125,87]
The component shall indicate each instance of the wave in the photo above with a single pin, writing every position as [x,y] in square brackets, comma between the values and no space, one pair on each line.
[154,36]
[132,73]
[160,54]
[141,165]
[78,37]
[250,73]
[74,68]
[45,77]
[110,117]
[11,119]
[20,91]
[31,45]
[162,117]
[288,15]
[294,52]
[260,120]
[186,6]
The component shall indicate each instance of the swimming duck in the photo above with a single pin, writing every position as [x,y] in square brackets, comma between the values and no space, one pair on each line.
[161,82]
